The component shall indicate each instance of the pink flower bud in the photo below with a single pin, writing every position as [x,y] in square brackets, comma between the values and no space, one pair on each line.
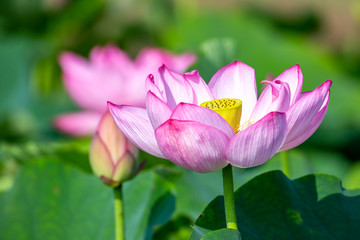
[112,157]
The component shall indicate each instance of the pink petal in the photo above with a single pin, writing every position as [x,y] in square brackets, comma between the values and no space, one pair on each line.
[274,98]
[236,80]
[110,56]
[113,138]
[136,126]
[202,91]
[100,157]
[294,77]
[78,124]
[75,69]
[186,111]
[182,62]
[313,126]
[177,89]
[152,58]
[193,145]
[91,87]
[125,167]
[302,113]
[151,86]
[157,110]
[108,76]
[72,63]
[259,142]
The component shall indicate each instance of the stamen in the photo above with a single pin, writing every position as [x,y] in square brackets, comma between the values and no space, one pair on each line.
[246,124]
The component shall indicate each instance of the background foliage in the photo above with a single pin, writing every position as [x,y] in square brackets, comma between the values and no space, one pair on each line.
[46,184]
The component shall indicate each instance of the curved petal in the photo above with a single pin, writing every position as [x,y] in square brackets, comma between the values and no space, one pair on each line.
[117,77]
[152,58]
[108,76]
[301,114]
[193,145]
[151,86]
[274,98]
[186,111]
[110,56]
[294,77]
[157,110]
[202,91]
[125,167]
[236,80]
[83,82]
[113,138]
[315,123]
[176,88]
[74,69]
[136,126]
[259,142]
[78,124]
[100,157]
[72,63]
[182,62]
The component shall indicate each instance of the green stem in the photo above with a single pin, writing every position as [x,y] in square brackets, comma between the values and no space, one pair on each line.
[119,214]
[229,201]
[285,163]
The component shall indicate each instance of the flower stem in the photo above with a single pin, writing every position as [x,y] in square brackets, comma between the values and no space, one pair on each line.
[229,201]
[285,163]
[119,213]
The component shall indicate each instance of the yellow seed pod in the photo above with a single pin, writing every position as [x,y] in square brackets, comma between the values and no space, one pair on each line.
[229,109]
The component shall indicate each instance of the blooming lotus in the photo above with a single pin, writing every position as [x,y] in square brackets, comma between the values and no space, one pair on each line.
[109,74]
[205,127]
[112,156]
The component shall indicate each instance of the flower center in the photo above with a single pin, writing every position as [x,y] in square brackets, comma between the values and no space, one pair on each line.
[229,109]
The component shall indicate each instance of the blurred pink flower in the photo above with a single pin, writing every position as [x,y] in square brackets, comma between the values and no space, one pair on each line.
[109,75]
[175,127]
[112,156]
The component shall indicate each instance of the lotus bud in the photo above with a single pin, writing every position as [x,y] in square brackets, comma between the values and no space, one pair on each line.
[112,157]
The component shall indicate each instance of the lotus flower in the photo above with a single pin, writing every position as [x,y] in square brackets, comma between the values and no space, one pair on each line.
[112,156]
[109,75]
[205,127]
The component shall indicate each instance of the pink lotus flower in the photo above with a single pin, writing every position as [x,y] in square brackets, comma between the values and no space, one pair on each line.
[112,156]
[175,127]
[109,75]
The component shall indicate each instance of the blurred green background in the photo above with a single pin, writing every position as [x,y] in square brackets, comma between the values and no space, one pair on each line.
[322,37]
